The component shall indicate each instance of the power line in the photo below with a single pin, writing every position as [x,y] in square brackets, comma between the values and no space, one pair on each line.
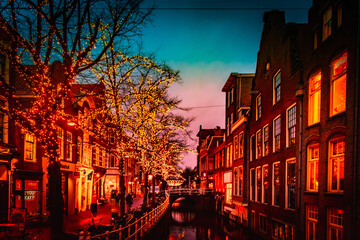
[226,9]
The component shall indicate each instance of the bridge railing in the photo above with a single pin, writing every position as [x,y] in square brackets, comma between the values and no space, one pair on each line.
[138,228]
[189,191]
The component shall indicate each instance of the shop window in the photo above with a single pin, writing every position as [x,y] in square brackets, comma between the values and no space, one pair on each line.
[265,188]
[335,224]
[258,107]
[290,186]
[327,23]
[262,223]
[291,125]
[312,213]
[29,147]
[266,140]
[276,134]
[258,144]
[312,180]
[252,184]
[314,98]
[336,165]
[277,87]
[241,145]
[276,184]
[32,196]
[338,85]
[69,146]
[258,184]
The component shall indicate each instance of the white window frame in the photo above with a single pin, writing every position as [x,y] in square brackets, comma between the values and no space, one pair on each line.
[241,145]
[335,78]
[311,108]
[273,184]
[274,129]
[287,125]
[332,225]
[263,140]
[257,154]
[274,89]
[330,157]
[69,146]
[263,197]
[309,160]
[286,183]
[256,184]
[241,189]
[252,138]
[312,218]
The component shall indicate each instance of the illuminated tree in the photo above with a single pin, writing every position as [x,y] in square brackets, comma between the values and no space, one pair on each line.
[44,31]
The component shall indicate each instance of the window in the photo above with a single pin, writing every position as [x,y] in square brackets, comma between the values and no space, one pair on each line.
[3,121]
[232,95]
[291,125]
[290,186]
[29,147]
[258,144]
[2,65]
[262,223]
[277,83]
[277,131]
[312,168]
[236,147]
[241,181]
[258,184]
[236,181]
[112,161]
[316,40]
[282,231]
[339,15]
[101,157]
[94,156]
[231,155]
[252,184]
[69,146]
[60,135]
[314,98]
[228,156]
[112,138]
[258,107]
[241,145]
[228,193]
[276,184]
[338,85]
[252,148]
[336,165]
[312,213]
[266,140]
[227,126]
[335,224]
[327,23]
[265,172]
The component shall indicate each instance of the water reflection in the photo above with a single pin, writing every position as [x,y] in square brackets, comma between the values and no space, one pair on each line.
[183,217]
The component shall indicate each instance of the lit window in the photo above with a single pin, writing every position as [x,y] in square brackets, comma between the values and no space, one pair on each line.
[327,23]
[290,184]
[336,165]
[241,145]
[252,184]
[335,224]
[312,213]
[282,231]
[258,107]
[312,183]
[228,193]
[60,136]
[314,98]
[338,85]
[277,131]
[241,181]
[29,147]
[262,223]
[276,184]
[276,91]
[68,146]
[3,121]
[258,144]
[291,125]
[231,155]
[266,140]
[236,147]
[258,184]
[112,161]
[236,181]
[265,172]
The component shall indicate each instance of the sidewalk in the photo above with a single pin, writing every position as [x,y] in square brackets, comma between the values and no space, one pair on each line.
[77,222]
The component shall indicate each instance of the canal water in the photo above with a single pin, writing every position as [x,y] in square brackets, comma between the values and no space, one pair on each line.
[185,225]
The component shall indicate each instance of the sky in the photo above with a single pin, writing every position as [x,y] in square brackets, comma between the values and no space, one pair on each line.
[206,40]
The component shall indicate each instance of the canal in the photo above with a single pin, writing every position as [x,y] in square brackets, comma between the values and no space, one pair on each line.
[186,225]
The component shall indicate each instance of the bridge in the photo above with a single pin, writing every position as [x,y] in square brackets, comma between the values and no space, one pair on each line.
[192,199]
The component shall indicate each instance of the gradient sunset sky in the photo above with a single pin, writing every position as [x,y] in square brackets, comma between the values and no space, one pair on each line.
[207,40]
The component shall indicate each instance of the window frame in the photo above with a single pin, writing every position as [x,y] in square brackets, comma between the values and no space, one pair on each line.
[277,88]
[314,115]
[258,148]
[241,144]
[258,107]
[33,151]
[330,158]
[275,135]
[236,147]
[336,78]
[310,160]
[266,142]
[330,224]
[60,138]
[258,184]
[273,184]
[69,145]
[327,23]
[262,225]
[252,184]
[264,198]
[312,217]
[252,148]
[288,127]
[4,138]
[287,203]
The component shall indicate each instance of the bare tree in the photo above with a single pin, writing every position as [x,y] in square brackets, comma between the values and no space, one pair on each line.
[41,32]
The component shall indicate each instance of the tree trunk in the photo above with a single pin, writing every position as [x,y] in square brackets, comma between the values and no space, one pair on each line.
[122,194]
[146,191]
[56,205]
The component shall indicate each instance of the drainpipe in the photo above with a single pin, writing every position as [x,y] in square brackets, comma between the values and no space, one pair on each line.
[356,130]
[300,95]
